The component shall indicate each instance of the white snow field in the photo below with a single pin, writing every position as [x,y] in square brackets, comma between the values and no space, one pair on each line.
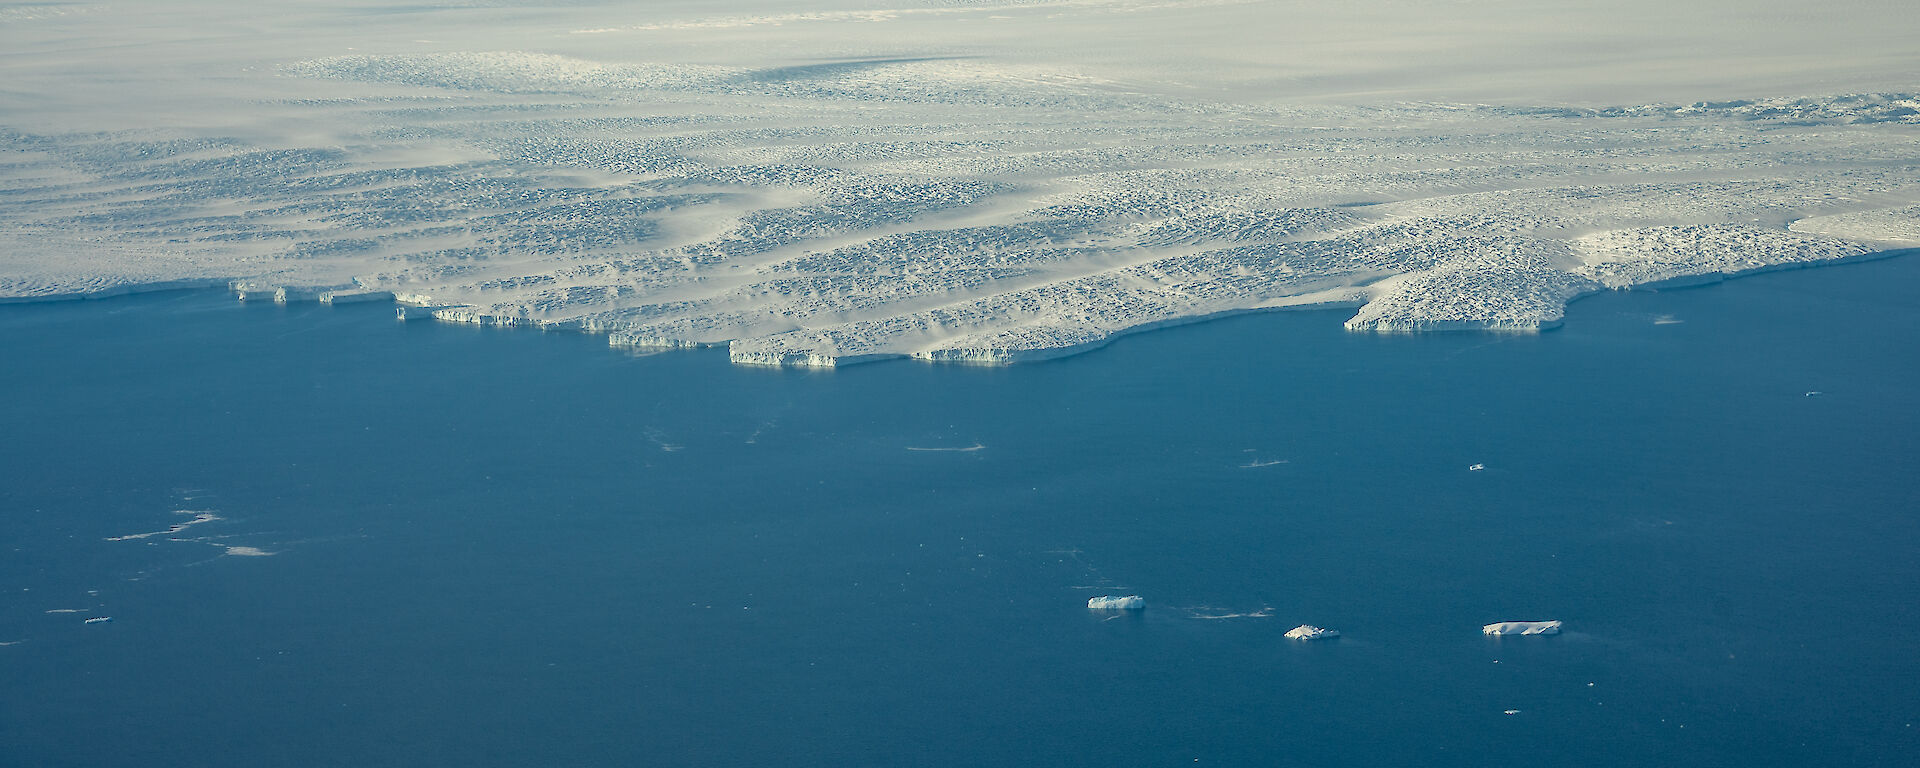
[820,183]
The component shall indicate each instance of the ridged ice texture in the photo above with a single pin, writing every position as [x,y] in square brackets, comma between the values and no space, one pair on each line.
[942,204]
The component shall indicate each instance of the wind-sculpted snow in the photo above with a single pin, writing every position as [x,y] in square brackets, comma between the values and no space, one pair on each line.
[664,181]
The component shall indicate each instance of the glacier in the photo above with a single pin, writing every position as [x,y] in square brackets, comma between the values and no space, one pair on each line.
[827,183]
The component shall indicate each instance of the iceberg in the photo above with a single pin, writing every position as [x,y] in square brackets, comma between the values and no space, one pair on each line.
[1113,603]
[1310,632]
[1522,628]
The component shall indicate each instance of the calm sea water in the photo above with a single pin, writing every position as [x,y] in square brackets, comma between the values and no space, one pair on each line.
[514,548]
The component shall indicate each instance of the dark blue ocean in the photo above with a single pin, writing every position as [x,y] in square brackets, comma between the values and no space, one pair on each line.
[428,544]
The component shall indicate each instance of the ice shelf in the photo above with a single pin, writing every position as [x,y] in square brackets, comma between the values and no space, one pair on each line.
[782,190]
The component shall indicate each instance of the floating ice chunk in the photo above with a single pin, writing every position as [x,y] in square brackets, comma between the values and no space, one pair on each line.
[1112,603]
[1522,628]
[1310,632]
[99,620]
[1264,612]
[198,518]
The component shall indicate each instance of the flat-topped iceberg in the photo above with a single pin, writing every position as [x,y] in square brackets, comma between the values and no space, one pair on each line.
[1116,603]
[1310,632]
[1522,628]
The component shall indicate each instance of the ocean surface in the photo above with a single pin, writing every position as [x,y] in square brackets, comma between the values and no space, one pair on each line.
[427,544]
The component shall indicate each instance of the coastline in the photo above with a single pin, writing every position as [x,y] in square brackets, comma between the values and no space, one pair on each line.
[410,307]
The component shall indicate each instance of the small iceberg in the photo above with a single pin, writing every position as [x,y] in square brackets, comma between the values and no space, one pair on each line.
[1113,603]
[1310,632]
[1522,628]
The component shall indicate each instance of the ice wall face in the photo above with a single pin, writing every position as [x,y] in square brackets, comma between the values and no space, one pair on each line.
[821,184]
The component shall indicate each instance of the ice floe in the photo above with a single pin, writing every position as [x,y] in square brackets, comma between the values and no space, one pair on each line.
[1207,613]
[199,517]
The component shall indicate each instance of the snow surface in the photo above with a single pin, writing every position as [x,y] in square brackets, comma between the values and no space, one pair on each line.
[822,183]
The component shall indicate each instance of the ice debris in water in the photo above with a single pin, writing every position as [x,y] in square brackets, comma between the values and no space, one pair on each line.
[1522,628]
[1113,603]
[1310,632]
